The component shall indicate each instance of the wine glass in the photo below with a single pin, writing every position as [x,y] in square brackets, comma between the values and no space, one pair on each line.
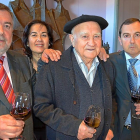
[135,96]
[21,108]
[93,117]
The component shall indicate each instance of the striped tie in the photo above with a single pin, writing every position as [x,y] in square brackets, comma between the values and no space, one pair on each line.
[132,75]
[5,83]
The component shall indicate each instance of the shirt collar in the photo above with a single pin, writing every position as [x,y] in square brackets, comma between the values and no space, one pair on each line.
[127,56]
[5,55]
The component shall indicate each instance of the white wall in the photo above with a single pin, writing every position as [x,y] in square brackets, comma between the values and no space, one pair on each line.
[5,2]
[104,8]
[110,18]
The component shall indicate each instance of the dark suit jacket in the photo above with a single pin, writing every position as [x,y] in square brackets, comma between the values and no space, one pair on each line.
[122,98]
[57,101]
[21,72]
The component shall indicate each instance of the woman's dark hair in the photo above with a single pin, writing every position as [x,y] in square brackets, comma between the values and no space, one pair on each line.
[26,33]
[127,22]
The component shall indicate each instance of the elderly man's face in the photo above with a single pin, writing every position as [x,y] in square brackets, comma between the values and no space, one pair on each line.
[6,29]
[130,39]
[86,39]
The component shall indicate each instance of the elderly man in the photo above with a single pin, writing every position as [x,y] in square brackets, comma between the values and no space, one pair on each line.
[18,72]
[65,89]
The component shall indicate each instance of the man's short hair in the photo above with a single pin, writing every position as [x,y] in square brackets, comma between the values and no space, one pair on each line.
[127,22]
[4,7]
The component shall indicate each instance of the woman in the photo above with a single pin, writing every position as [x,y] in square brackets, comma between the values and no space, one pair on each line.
[37,37]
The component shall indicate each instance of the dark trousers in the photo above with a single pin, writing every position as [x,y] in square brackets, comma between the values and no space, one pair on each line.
[40,133]
[39,129]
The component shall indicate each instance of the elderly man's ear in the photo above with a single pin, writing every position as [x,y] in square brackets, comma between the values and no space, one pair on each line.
[71,37]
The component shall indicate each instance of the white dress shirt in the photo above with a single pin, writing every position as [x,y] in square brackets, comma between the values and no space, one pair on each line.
[89,75]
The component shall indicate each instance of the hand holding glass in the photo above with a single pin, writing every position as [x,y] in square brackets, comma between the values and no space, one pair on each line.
[93,117]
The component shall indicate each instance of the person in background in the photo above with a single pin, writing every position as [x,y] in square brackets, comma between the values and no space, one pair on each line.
[65,89]
[124,126]
[37,37]
[15,76]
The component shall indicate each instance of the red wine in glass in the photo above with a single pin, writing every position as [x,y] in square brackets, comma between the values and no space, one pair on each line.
[19,113]
[93,117]
[92,122]
[135,96]
[21,108]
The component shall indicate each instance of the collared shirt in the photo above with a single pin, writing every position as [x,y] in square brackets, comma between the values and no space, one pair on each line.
[89,75]
[137,67]
[6,67]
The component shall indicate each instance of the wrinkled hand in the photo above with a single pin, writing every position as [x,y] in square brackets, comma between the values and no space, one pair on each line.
[54,55]
[137,108]
[85,131]
[103,55]
[109,135]
[10,127]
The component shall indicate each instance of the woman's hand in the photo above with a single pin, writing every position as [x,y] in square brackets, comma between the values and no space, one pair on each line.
[54,55]
[103,55]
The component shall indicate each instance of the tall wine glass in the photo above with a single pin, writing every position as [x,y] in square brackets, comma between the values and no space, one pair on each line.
[93,117]
[135,96]
[21,108]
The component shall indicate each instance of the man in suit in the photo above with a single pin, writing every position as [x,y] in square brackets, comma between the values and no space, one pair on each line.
[124,126]
[65,89]
[19,73]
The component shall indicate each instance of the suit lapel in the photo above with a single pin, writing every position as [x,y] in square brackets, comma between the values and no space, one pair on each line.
[122,68]
[105,82]
[66,63]
[13,67]
[107,96]
[4,100]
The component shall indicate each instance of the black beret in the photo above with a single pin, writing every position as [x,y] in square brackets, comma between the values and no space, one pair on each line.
[84,18]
